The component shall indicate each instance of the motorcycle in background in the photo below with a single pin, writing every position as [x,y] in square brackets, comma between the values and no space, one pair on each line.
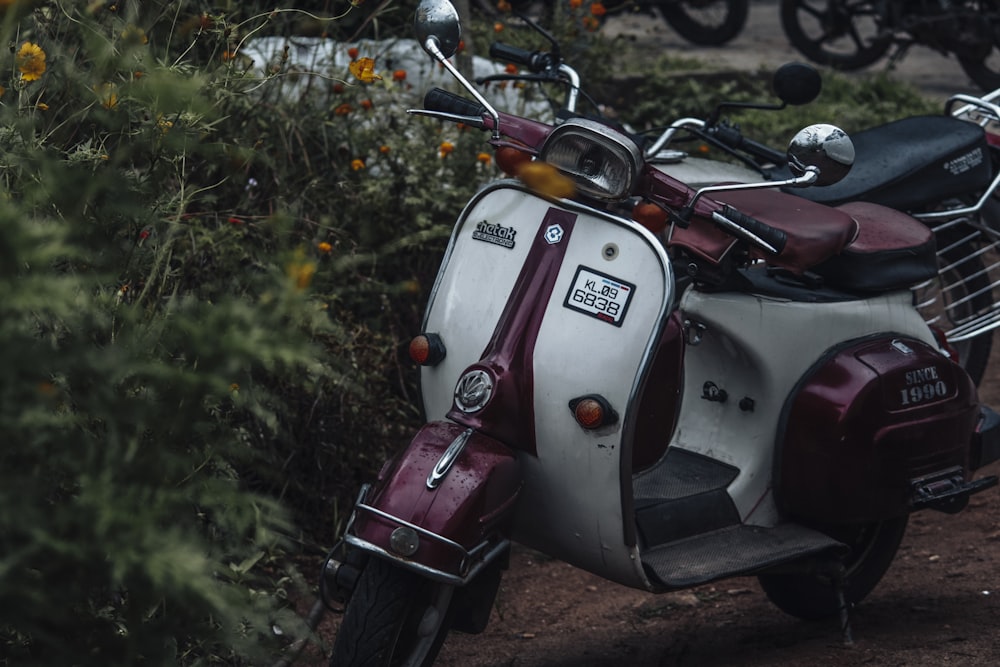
[853,34]
[702,22]
[760,423]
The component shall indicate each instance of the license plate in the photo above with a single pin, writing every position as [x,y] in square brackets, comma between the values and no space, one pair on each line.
[599,295]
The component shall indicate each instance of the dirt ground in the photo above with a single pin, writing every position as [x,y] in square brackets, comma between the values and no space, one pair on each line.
[938,605]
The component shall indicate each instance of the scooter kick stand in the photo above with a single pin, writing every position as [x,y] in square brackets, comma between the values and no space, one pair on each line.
[838,579]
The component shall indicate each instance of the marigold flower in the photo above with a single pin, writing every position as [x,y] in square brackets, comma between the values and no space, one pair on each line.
[228,55]
[134,35]
[510,68]
[484,158]
[399,75]
[597,9]
[383,149]
[357,164]
[590,23]
[363,70]
[352,53]
[545,179]
[498,27]
[343,110]
[234,387]
[31,61]
[324,247]
[338,87]
[107,93]
[575,4]
[504,6]
[367,104]
[446,148]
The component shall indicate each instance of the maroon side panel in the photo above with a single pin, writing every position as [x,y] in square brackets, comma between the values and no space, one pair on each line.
[472,501]
[659,401]
[867,421]
[509,356]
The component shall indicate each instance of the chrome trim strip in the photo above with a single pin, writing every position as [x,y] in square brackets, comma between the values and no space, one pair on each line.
[448,459]
[430,572]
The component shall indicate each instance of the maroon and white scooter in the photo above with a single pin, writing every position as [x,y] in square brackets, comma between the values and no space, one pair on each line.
[782,417]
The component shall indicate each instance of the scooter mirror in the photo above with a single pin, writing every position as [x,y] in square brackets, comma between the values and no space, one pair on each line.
[797,83]
[437,27]
[825,147]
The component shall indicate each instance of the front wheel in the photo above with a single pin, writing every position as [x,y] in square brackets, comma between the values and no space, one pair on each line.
[813,597]
[842,34]
[395,617]
[706,22]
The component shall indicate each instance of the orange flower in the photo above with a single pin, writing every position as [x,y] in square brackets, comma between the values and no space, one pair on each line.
[338,87]
[357,164]
[107,93]
[504,6]
[498,27]
[343,110]
[399,75]
[484,158]
[590,23]
[324,247]
[575,4]
[383,149]
[228,55]
[363,70]
[598,10]
[510,68]
[352,53]
[367,104]
[446,148]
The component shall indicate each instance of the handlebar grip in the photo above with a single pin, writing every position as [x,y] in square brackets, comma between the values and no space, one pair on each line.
[533,60]
[732,137]
[772,236]
[441,100]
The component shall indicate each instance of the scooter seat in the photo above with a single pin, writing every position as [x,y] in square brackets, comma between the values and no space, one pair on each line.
[891,251]
[910,162]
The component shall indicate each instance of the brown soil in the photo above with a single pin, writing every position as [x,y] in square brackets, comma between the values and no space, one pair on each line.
[939,604]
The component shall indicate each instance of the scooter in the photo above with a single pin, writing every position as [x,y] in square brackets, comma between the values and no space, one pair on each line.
[763,422]
[943,170]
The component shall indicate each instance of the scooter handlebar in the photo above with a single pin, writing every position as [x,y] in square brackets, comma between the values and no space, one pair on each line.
[733,138]
[536,61]
[441,100]
[759,233]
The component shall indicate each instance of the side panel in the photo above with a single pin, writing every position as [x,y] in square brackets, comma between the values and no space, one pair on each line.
[756,349]
[867,421]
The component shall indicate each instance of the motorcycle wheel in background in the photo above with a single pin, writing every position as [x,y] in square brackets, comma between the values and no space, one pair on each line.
[842,34]
[984,71]
[812,596]
[706,22]
[395,617]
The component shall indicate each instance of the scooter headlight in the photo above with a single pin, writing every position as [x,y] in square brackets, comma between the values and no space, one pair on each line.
[602,162]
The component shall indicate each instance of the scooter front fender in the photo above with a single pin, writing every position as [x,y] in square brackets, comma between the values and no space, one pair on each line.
[442,506]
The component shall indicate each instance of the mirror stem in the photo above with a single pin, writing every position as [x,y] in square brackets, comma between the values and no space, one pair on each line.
[431,46]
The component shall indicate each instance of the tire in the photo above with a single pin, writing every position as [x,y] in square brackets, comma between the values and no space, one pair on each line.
[984,67]
[812,597]
[706,22]
[395,617]
[842,34]
[961,290]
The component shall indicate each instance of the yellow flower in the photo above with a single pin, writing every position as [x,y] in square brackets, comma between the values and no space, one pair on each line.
[357,164]
[545,179]
[363,70]
[134,35]
[324,247]
[31,61]
[107,93]
[300,271]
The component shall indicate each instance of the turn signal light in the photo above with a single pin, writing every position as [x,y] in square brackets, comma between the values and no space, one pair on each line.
[593,411]
[427,349]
